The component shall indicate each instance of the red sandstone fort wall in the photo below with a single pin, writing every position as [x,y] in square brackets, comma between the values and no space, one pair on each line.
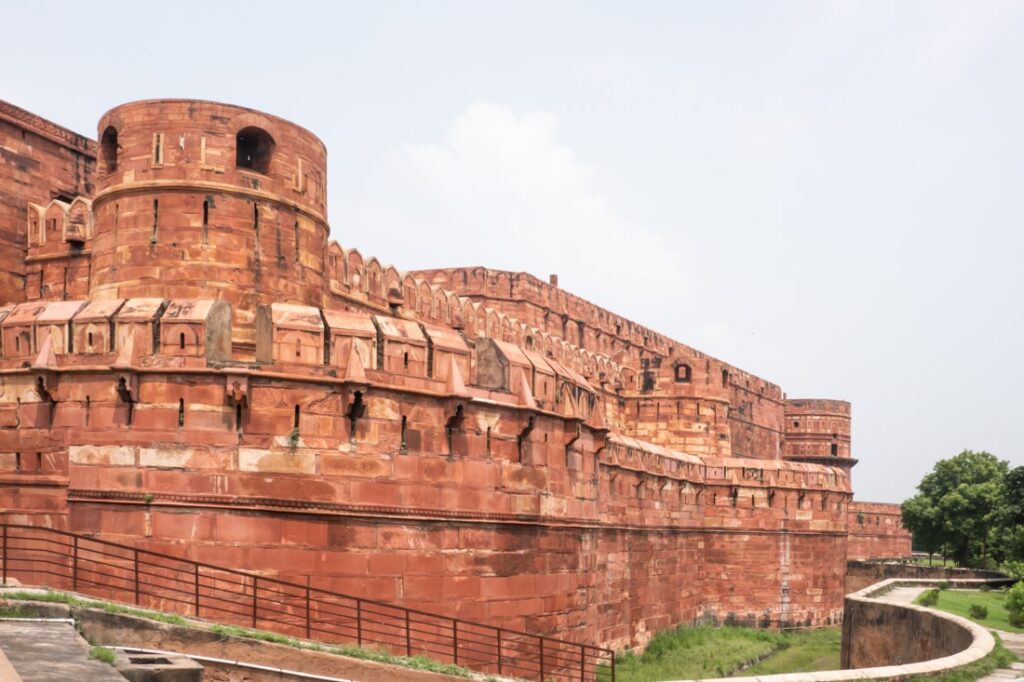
[43,168]
[877,531]
[229,387]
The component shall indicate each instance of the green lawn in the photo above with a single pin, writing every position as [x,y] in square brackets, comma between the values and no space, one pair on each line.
[808,651]
[694,652]
[936,561]
[959,601]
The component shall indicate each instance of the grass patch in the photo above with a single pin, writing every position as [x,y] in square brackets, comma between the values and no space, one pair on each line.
[959,602]
[704,651]
[102,653]
[805,651]
[109,607]
[937,561]
[999,658]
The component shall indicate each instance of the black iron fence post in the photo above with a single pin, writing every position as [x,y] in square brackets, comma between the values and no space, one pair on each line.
[408,635]
[255,587]
[136,571]
[74,565]
[499,650]
[455,640]
[5,554]
[196,587]
[309,616]
[359,622]
[541,659]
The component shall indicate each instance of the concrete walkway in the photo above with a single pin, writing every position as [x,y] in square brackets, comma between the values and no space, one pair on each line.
[1014,641]
[44,652]
[903,595]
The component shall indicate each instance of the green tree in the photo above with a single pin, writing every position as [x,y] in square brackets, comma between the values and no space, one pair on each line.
[922,519]
[1013,497]
[962,495]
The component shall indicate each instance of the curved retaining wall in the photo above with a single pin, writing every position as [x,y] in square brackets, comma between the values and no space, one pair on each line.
[889,640]
[861,574]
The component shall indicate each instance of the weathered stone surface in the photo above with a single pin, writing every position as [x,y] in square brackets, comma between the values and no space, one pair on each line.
[189,365]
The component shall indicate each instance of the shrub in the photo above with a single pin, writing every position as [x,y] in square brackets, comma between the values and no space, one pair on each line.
[929,597]
[1014,569]
[978,611]
[944,585]
[1015,604]
[985,588]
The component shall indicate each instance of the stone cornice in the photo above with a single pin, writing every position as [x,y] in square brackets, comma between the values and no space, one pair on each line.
[48,129]
[407,513]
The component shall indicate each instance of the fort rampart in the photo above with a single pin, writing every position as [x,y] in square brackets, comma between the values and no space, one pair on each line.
[187,362]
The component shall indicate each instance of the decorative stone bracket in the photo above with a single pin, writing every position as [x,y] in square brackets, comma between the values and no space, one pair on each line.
[236,386]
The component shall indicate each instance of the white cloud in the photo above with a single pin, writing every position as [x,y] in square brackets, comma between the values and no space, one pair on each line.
[502,190]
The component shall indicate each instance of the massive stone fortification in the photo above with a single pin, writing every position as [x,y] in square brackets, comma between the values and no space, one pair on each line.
[187,363]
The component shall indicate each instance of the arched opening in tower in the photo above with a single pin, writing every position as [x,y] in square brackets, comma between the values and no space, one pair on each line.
[253,149]
[108,149]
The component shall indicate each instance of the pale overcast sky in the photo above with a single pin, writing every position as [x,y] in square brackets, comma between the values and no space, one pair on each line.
[827,194]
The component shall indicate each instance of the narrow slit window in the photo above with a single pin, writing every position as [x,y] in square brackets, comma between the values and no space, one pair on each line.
[181,340]
[158,148]
[181,411]
[238,417]
[206,220]
[835,449]
[17,461]
[39,461]
[405,360]
[156,219]
[298,247]
[298,413]
[88,407]
[89,340]
[405,434]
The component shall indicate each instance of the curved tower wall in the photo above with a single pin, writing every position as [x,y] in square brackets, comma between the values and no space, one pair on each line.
[179,209]
[818,431]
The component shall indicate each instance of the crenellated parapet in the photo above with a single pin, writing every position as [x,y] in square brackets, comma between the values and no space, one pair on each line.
[187,363]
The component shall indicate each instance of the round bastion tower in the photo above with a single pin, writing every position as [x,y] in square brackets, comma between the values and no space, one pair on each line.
[818,431]
[204,200]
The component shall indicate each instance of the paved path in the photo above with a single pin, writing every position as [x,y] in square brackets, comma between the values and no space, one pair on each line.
[1014,641]
[903,595]
[1011,640]
[45,652]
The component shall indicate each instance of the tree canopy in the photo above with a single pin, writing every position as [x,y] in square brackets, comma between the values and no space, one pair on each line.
[970,506]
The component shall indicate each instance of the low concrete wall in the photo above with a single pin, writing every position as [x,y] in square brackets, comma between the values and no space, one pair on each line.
[861,574]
